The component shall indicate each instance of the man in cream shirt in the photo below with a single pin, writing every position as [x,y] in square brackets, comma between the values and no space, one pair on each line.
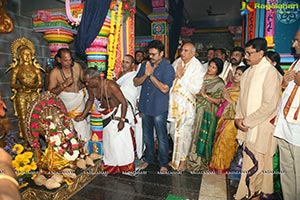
[256,106]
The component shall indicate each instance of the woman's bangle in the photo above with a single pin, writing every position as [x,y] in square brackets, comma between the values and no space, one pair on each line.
[9,178]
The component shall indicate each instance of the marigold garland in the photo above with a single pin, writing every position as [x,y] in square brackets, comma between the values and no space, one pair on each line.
[113,39]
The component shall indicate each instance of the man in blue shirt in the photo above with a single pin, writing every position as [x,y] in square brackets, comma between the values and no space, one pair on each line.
[156,78]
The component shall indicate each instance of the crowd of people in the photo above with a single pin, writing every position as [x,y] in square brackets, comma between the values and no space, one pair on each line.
[209,110]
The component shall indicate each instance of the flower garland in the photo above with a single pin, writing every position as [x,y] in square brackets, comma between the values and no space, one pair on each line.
[113,39]
[63,142]
[128,7]
[35,116]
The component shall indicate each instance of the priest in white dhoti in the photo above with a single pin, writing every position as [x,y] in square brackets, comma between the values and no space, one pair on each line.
[75,104]
[118,138]
[66,81]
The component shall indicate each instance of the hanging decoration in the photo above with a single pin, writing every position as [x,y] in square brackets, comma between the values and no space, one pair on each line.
[128,7]
[74,11]
[115,24]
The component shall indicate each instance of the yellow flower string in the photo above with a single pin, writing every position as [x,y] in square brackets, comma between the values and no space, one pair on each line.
[113,40]
[110,45]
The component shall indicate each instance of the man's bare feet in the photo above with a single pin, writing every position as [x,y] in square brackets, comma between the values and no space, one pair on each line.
[143,165]
[182,166]
[163,170]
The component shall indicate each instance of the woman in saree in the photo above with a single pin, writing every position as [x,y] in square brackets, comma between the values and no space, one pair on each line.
[225,145]
[207,101]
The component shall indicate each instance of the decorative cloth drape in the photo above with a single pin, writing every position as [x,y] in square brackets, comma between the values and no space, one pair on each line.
[93,17]
[175,29]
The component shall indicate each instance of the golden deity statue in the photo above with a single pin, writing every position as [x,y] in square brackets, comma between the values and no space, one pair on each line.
[25,79]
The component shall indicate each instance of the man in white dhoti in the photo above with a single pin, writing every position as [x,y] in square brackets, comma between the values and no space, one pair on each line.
[131,93]
[118,140]
[288,127]
[182,107]
[66,80]
[75,104]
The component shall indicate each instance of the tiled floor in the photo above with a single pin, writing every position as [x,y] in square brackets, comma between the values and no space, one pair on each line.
[151,185]
[146,185]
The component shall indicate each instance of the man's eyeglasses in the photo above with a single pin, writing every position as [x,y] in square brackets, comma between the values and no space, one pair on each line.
[247,53]
[294,40]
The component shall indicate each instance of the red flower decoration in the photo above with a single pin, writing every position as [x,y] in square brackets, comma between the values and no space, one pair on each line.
[50,101]
[36,143]
[126,6]
[132,11]
[43,104]
[112,5]
[35,134]
[70,135]
[37,109]
[34,125]
[35,116]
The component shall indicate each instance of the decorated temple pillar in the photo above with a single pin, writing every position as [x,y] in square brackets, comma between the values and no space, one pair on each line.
[159,26]
[56,29]
[275,20]
[97,52]
[115,39]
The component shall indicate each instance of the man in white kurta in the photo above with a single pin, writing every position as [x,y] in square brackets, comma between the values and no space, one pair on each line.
[288,130]
[221,53]
[188,82]
[256,107]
